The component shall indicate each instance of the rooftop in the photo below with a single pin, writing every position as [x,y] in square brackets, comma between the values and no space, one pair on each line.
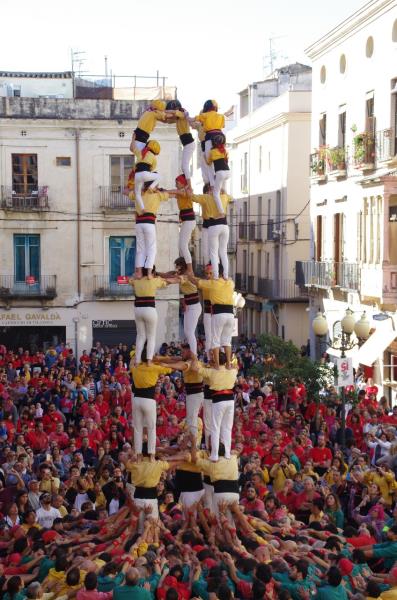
[38,75]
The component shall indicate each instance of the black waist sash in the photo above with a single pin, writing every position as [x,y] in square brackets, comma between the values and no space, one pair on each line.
[186,138]
[146,217]
[187,481]
[144,301]
[141,135]
[226,485]
[222,308]
[222,395]
[194,388]
[145,392]
[145,493]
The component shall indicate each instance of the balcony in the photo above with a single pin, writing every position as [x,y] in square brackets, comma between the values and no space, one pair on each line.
[251,287]
[242,230]
[44,287]
[113,197]
[327,274]
[32,201]
[104,287]
[283,290]
[318,165]
[336,162]
[232,243]
[241,282]
[386,146]
[364,151]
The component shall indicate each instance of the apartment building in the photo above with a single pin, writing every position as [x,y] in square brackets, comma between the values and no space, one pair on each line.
[66,224]
[353,193]
[269,218]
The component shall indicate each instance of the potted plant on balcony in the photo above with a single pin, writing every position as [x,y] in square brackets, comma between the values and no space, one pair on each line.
[319,159]
[364,148]
[337,158]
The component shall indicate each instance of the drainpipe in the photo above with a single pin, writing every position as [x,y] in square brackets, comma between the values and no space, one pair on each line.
[77,140]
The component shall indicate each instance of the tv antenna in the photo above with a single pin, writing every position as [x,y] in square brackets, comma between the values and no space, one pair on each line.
[273,56]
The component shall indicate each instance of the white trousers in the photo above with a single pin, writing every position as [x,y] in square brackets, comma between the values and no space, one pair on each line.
[187,499]
[207,417]
[185,233]
[190,319]
[142,503]
[208,496]
[206,170]
[139,145]
[207,321]
[187,153]
[140,179]
[144,415]
[229,498]
[222,329]
[205,245]
[194,402]
[146,245]
[146,327]
[221,427]
[218,237]
[220,178]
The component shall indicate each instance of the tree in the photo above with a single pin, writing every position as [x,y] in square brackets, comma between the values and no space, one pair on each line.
[283,362]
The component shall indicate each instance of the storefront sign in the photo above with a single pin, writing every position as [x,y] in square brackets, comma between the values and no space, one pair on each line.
[22,319]
[108,324]
[122,279]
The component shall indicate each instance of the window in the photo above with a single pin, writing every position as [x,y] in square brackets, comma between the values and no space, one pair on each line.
[267,265]
[259,263]
[120,167]
[270,221]
[369,47]
[370,113]
[342,127]
[260,159]
[63,161]
[244,173]
[323,74]
[24,173]
[259,218]
[121,256]
[342,64]
[26,257]
[323,130]
[319,238]
[16,92]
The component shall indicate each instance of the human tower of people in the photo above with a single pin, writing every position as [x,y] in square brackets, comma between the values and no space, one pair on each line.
[208,387]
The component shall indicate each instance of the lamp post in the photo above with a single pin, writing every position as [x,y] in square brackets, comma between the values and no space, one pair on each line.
[344,342]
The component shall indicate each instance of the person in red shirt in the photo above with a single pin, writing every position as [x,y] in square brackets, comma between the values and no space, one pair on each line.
[253,446]
[252,503]
[273,457]
[321,456]
[37,439]
[287,496]
[51,419]
[59,436]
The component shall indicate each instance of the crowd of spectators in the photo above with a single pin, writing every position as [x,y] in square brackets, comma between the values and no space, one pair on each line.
[316,519]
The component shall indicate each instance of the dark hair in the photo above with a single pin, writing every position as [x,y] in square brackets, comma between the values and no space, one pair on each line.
[303,567]
[334,576]
[258,590]
[224,592]
[20,545]
[144,353]
[206,188]
[147,185]
[218,139]
[90,581]
[73,576]
[173,105]
[171,594]
[222,358]
[373,589]
[264,572]
[208,106]
[221,449]
[180,262]
[13,585]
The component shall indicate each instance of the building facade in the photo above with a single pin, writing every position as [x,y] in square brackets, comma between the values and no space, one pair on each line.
[67,226]
[353,194]
[270,214]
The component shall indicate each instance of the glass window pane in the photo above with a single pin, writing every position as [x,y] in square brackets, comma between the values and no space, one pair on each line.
[115,249]
[20,273]
[34,262]
[129,257]
[128,165]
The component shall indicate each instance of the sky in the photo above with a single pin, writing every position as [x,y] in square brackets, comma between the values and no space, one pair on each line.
[206,48]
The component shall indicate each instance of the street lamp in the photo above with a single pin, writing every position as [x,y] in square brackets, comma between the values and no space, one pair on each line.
[344,342]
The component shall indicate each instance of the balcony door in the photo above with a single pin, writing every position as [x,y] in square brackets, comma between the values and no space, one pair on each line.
[120,167]
[121,257]
[27,259]
[24,174]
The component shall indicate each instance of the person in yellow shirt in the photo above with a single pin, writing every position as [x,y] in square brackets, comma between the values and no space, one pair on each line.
[145,169]
[146,313]
[144,377]
[146,124]
[180,116]
[146,239]
[222,320]
[219,158]
[187,219]
[221,382]
[282,471]
[192,305]
[217,232]
[212,122]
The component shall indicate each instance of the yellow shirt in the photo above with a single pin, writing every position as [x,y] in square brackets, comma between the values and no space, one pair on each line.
[219,379]
[190,376]
[224,469]
[184,202]
[386,483]
[187,287]
[148,120]
[216,154]
[208,204]
[149,159]
[147,287]
[220,290]
[389,594]
[211,120]
[147,474]
[280,475]
[146,376]
[151,202]
[182,124]
[48,485]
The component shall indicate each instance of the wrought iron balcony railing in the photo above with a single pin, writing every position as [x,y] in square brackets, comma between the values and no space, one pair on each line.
[42,287]
[105,286]
[114,197]
[33,200]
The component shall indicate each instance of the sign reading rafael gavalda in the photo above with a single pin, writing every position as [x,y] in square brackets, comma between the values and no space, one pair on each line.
[32,318]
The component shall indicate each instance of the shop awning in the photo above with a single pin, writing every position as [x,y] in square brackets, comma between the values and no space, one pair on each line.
[375,346]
